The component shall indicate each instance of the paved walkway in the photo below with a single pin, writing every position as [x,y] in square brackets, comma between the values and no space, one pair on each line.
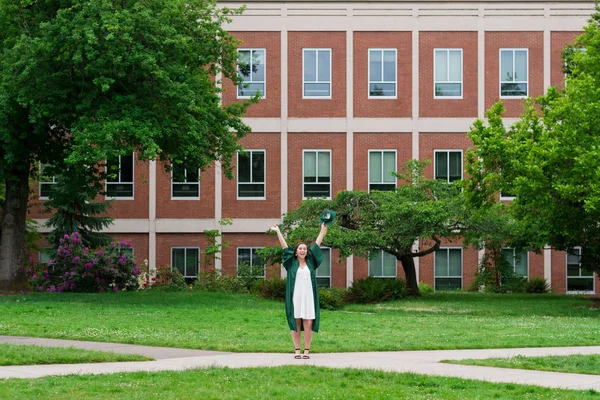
[421,362]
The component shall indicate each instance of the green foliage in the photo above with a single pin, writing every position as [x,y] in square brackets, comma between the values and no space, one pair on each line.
[168,279]
[537,285]
[272,288]
[425,289]
[82,82]
[376,290]
[214,247]
[548,159]
[215,281]
[332,298]
[73,208]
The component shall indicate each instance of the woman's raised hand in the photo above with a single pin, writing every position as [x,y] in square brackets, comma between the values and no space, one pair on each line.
[274,228]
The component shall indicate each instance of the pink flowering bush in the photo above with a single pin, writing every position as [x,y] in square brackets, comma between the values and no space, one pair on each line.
[77,268]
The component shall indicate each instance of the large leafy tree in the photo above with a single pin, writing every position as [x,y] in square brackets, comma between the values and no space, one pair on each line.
[83,81]
[550,158]
[423,210]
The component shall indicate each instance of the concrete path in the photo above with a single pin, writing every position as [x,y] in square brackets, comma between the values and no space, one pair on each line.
[421,362]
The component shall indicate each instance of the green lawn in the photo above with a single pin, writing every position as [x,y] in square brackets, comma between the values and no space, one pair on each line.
[292,382]
[11,354]
[578,364]
[243,323]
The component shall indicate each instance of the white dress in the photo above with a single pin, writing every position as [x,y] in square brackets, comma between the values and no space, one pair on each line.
[304,304]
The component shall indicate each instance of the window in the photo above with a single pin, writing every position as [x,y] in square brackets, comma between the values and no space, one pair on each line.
[119,183]
[448,165]
[185,184]
[323,273]
[186,260]
[381,165]
[518,260]
[251,68]
[249,264]
[447,73]
[448,268]
[383,265]
[47,182]
[514,73]
[579,279]
[571,54]
[316,72]
[382,73]
[251,175]
[44,255]
[317,173]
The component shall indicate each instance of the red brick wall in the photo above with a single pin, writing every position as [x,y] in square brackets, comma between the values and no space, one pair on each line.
[536,265]
[271,207]
[558,42]
[137,208]
[494,41]
[428,142]
[338,270]
[270,105]
[321,108]
[559,271]
[383,108]
[438,108]
[363,142]
[167,208]
[297,142]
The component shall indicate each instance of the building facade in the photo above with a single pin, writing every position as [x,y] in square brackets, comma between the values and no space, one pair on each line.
[352,90]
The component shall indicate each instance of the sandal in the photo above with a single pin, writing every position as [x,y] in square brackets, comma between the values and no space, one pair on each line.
[297,356]
[306,356]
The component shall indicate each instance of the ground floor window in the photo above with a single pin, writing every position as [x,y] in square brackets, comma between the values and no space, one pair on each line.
[324,270]
[448,268]
[579,279]
[249,263]
[186,260]
[518,260]
[383,265]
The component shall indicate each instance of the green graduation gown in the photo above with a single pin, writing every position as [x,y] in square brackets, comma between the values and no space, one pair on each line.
[314,257]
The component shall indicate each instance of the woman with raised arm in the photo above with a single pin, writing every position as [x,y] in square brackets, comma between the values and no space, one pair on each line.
[301,292]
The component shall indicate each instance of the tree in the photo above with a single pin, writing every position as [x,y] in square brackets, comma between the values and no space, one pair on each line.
[84,81]
[549,159]
[426,210]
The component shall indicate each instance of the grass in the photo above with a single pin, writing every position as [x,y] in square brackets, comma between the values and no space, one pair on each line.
[243,323]
[11,354]
[578,363]
[293,382]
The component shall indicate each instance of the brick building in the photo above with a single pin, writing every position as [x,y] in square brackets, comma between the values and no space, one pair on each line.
[351,90]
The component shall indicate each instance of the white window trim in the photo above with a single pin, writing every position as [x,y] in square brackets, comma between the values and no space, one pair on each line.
[462,162]
[507,197]
[237,263]
[513,261]
[132,182]
[237,176]
[185,258]
[189,183]
[317,74]
[330,169]
[369,82]
[252,49]
[330,267]
[462,266]
[382,276]
[44,183]
[448,50]
[500,73]
[369,166]
[593,277]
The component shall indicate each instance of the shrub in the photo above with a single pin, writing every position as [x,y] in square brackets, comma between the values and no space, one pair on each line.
[513,285]
[215,281]
[332,298]
[168,279]
[376,290]
[78,269]
[425,289]
[537,285]
[247,276]
[273,288]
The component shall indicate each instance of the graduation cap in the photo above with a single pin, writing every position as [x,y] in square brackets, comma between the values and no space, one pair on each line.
[327,217]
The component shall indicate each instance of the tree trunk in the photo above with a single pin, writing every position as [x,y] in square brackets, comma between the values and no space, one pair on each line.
[408,264]
[12,239]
